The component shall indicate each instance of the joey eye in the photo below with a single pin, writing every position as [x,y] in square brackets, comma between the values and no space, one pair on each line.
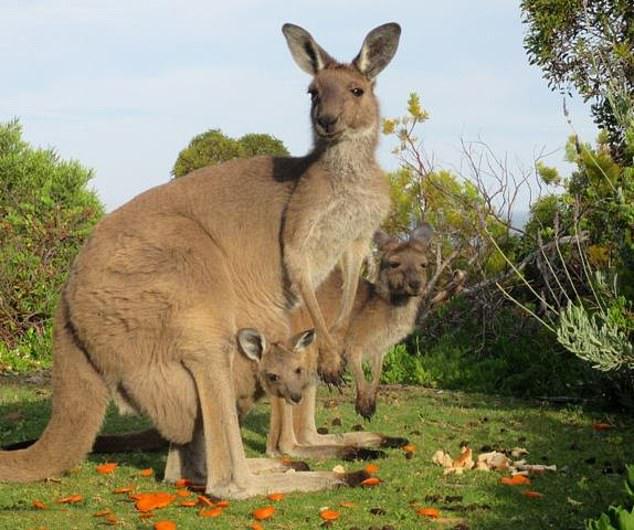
[423,265]
[358,92]
[313,93]
[394,264]
[273,378]
[298,371]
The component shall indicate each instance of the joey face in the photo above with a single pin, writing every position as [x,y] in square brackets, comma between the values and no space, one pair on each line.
[403,265]
[282,368]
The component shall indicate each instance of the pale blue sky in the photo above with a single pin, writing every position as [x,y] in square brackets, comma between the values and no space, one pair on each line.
[123,86]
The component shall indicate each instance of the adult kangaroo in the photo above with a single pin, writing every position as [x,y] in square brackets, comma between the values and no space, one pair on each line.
[154,299]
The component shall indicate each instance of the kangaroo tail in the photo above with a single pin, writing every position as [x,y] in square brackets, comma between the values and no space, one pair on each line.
[80,398]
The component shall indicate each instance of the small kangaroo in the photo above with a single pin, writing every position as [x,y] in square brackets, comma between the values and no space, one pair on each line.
[384,314]
[152,304]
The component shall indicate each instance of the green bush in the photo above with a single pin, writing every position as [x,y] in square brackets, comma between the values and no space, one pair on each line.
[46,213]
[214,147]
[617,517]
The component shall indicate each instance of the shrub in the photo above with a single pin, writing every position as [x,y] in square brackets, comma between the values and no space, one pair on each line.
[46,213]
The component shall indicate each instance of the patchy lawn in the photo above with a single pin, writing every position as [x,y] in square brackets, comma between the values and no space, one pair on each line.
[589,477]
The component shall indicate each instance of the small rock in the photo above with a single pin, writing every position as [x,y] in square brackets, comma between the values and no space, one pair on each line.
[336,422]
[322,430]
[358,427]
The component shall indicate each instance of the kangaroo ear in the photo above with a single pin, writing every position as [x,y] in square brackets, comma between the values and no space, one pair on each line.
[252,343]
[303,340]
[422,234]
[382,240]
[308,55]
[377,50]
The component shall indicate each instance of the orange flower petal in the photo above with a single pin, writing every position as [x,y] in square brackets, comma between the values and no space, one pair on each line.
[205,500]
[146,515]
[103,513]
[189,504]
[601,426]
[211,512]
[262,514]
[409,448]
[38,505]
[347,504]
[432,513]
[222,504]
[533,494]
[147,472]
[123,489]
[107,468]
[183,492]
[182,483]
[372,468]
[275,497]
[255,526]
[146,502]
[371,482]
[164,525]
[71,499]
[515,480]
[329,515]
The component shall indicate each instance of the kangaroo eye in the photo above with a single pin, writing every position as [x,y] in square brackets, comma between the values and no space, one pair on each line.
[273,378]
[394,264]
[313,93]
[358,92]
[298,371]
[423,265]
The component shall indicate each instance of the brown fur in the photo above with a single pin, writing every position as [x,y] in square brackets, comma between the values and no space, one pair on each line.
[155,297]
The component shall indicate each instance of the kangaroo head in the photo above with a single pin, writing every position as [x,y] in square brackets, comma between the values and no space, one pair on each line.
[282,368]
[403,264]
[343,104]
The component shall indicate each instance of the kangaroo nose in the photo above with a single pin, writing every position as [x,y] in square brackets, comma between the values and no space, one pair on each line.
[327,122]
[415,284]
[296,398]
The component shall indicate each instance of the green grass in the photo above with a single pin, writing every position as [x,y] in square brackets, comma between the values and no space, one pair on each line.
[431,419]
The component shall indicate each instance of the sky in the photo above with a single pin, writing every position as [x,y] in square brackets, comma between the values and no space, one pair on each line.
[123,86]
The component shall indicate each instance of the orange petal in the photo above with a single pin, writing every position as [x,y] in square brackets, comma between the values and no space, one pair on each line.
[211,512]
[370,482]
[515,480]
[182,483]
[533,494]
[107,468]
[164,525]
[222,504]
[103,513]
[347,504]
[409,448]
[123,489]
[262,514]
[146,502]
[146,515]
[275,497]
[433,513]
[205,500]
[372,468]
[71,499]
[183,492]
[38,505]
[189,504]
[147,472]
[255,526]
[601,426]
[329,515]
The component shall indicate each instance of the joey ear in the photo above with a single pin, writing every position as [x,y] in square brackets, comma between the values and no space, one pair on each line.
[252,343]
[303,340]
[308,55]
[382,239]
[377,50]
[422,234]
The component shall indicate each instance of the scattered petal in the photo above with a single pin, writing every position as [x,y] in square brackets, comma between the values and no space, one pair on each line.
[147,472]
[372,468]
[189,504]
[601,426]
[107,468]
[123,489]
[255,526]
[432,513]
[222,504]
[275,497]
[202,499]
[103,513]
[182,483]
[38,505]
[409,448]
[339,469]
[183,492]
[371,482]
[347,504]
[515,480]
[329,515]
[533,494]
[70,499]
[211,512]
[262,514]
[146,502]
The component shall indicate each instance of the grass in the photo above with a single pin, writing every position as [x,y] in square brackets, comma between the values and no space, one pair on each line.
[589,477]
